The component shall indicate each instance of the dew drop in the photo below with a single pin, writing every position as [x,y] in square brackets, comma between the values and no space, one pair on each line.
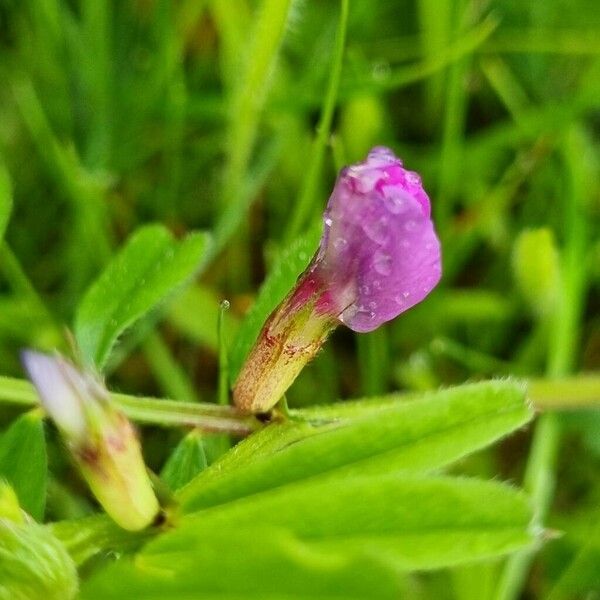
[381,151]
[381,71]
[405,294]
[340,243]
[382,263]
[372,305]
[377,230]
[328,221]
[225,304]
[377,284]
[413,178]
[395,203]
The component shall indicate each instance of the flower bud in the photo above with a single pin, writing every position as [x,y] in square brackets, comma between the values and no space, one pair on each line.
[379,256]
[101,439]
[33,563]
[536,269]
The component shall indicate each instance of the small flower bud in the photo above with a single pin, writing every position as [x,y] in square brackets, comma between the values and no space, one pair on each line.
[536,269]
[33,563]
[379,256]
[101,439]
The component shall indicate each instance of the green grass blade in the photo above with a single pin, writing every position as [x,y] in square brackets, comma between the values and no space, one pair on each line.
[24,462]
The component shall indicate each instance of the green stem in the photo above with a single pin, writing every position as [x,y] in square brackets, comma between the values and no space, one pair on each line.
[568,393]
[223,394]
[539,480]
[152,411]
[453,133]
[309,189]
[373,355]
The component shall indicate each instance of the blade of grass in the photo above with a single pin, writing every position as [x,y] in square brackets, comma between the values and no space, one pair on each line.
[304,205]
[173,380]
[539,479]
[453,131]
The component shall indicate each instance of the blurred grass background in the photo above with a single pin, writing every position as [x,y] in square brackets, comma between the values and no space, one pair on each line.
[233,116]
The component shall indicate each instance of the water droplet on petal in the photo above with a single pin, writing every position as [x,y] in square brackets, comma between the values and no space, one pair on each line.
[377,151]
[377,284]
[328,221]
[413,178]
[373,305]
[382,263]
[376,229]
[340,243]
[394,202]
[405,294]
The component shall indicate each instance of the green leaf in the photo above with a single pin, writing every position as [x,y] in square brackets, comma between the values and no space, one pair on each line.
[97,535]
[34,564]
[6,199]
[24,463]
[381,436]
[247,564]
[187,460]
[281,279]
[421,523]
[146,270]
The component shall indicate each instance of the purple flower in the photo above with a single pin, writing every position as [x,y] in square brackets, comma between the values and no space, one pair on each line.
[379,256]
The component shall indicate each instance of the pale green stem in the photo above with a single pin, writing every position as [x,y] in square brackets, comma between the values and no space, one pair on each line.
[223,395]
[539,480]
[152,411]
[559,394]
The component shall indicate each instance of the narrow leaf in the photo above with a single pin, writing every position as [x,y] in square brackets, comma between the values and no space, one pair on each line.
[149,267]
[188,459]
[421,523]
[24,463]
[244,565]
[403,437]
